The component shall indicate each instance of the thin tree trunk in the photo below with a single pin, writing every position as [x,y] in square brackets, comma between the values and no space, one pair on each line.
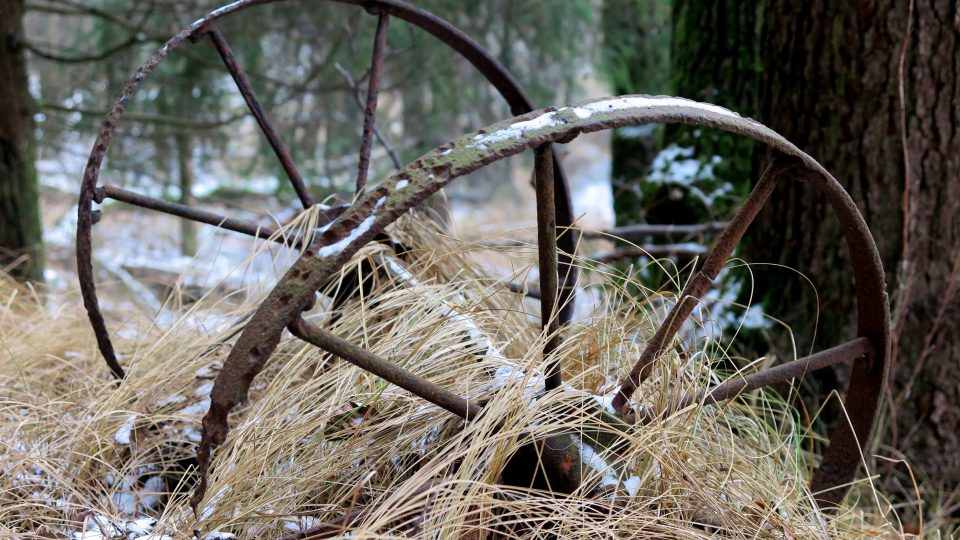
[831,84]
[21,231]
[188,229]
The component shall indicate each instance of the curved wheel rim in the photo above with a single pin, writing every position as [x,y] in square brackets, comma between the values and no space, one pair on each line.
[493,71]
[405,189]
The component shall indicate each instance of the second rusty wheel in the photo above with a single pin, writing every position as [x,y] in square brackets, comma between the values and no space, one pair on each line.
[383,204]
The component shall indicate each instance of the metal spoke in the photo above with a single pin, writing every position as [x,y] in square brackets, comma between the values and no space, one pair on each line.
[796,369]
[283,307]
[381,138]
[567,240]
[529,290]
[365,359]
[738,384]
[253,103]
[702,280]
[205,216]
[547,250]
[187,212]
[373,91]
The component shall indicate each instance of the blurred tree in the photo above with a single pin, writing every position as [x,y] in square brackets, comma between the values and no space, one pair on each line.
[702,50]
[872,90]
[21,235]
[636,60]
[714,60]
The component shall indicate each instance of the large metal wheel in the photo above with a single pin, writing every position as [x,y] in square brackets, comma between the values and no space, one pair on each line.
[453,37]
[538,130]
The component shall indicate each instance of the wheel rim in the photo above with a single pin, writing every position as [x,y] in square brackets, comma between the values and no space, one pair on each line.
[410,186]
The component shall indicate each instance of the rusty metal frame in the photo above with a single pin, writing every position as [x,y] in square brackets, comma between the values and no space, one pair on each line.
[91,192]
[378,206]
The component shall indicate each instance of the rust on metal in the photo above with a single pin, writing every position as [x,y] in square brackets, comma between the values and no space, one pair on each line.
[383,205]
[547,255]
[527,289]
[736,385]
[365,359]
[260,114]
[373,91]
[249,228]
[702,280]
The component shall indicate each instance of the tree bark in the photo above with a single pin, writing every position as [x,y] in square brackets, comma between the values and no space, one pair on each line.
[830,83]
[713,59]
[21,232]
[636,47]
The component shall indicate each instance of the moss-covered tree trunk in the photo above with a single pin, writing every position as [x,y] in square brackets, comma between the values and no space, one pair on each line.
[636,47]
[830,83]
[714,60]
[699,49]
[21,232]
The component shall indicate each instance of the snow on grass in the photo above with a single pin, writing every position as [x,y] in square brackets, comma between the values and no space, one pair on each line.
[123,435]
[65,463]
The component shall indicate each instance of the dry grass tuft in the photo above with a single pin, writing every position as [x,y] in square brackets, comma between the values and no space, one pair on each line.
[321,439]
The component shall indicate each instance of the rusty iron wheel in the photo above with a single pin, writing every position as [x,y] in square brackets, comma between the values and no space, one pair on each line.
[383,204]
[90,191]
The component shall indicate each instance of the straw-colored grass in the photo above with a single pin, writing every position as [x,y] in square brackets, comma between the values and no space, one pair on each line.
[321,439]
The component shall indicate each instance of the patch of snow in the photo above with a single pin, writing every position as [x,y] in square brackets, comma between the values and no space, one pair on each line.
[632,485]
[359,231]
[171,400]
[647,102]
[208,372]
[676,165]
[152,492]
[304,522]
[754,317]
[218,535]
[122,436]
[591,459]
[97,527]
[204,389]
[402,184]
[140,527]
[197,408]
[606,400]
[126,503]
[211,506]
[517,129]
